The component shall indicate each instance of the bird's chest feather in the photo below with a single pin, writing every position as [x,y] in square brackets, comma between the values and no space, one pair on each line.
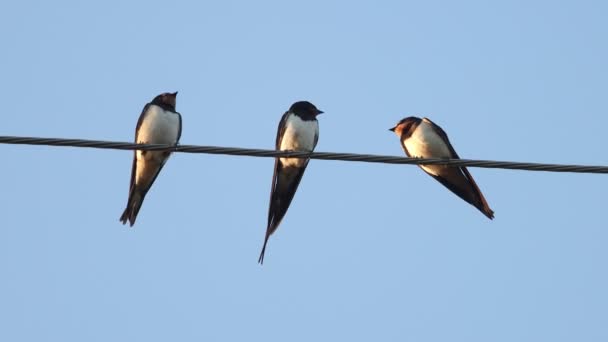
[299,135]
[426,143]
[159,127]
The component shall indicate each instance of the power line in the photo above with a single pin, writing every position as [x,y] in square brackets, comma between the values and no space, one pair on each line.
[368,158]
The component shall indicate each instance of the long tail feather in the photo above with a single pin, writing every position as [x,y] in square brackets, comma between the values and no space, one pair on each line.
[134,203]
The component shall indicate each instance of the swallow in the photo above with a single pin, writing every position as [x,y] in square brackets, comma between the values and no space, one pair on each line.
[422,138]
[158,123]
[297,131]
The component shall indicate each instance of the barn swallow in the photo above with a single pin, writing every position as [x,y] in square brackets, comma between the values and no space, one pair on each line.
[158,123]
[422,138]
[298,131]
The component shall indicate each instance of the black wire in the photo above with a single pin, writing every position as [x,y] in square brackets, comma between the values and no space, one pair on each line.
[368,158]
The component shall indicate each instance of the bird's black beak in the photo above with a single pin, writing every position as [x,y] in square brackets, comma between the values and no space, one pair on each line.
[174,94]
[392,129]
[320,111]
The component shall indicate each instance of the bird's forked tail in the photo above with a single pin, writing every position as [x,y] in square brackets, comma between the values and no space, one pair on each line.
[136,198]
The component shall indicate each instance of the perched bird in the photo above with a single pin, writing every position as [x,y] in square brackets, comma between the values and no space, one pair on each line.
[298,131]
[422,138]
[158,123]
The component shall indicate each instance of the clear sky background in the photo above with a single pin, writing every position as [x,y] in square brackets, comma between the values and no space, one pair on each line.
[367,251]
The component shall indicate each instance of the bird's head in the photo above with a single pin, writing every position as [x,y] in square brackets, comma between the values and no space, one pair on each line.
[305,109]
[166,99]
[403,125]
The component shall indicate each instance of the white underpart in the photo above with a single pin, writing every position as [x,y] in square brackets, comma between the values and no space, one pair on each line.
[299,135]
[159,126]
[426,143]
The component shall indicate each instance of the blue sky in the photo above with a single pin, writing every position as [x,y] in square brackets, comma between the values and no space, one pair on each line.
[366,251]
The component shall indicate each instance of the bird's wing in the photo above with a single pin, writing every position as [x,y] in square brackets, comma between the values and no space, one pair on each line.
[451,183]
[139,123]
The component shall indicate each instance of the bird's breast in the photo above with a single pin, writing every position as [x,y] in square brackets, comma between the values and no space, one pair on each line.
[425,142]
[159,127]
[299,135]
